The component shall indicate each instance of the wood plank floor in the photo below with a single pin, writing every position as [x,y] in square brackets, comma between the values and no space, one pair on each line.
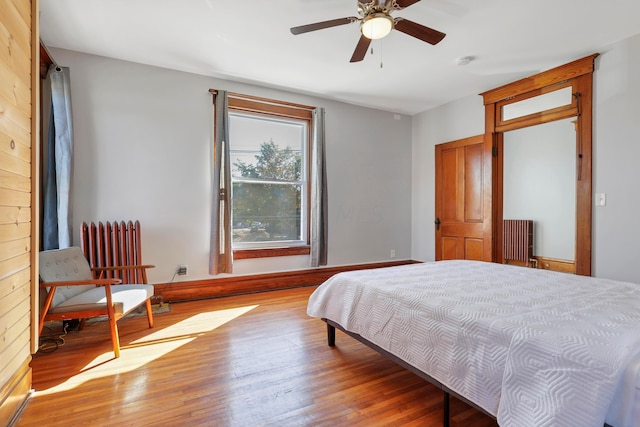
[252,360]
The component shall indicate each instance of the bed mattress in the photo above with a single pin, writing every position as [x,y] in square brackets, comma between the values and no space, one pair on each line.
[532,347]
[625,405]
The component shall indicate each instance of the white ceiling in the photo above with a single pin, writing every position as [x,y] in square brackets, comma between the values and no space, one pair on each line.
[249,41]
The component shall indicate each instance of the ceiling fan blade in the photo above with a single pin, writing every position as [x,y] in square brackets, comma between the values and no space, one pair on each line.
[321,25]
[418,31]
[361,49]
[405,3]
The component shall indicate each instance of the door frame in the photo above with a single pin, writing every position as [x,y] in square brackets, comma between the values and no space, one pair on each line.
[579,75]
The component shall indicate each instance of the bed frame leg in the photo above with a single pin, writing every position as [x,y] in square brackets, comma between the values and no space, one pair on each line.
[445,405]
[331,335]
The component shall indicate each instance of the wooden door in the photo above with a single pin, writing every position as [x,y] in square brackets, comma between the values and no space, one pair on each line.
[463,226]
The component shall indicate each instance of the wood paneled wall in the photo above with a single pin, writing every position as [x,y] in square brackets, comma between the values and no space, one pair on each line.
[19,46]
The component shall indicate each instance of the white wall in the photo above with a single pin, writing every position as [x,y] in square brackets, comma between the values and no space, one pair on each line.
[456,120]
[143,149]
[616,162]
[616,236]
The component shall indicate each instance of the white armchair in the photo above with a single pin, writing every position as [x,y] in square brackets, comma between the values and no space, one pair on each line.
[74,292]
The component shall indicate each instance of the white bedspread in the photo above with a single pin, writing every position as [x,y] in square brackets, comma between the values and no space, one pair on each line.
[532,347]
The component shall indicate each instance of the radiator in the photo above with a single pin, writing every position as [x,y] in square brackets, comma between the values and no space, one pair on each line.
[113,244]
[517,240]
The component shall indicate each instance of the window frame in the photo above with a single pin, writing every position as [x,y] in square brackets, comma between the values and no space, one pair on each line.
[278,110]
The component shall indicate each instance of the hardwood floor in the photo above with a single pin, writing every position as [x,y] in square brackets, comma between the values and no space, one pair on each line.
[252,360]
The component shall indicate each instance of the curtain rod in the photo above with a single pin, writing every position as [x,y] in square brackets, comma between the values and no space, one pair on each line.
[263,100]
[46,60]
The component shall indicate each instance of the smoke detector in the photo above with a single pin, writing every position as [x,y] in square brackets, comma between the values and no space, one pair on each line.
[464,60]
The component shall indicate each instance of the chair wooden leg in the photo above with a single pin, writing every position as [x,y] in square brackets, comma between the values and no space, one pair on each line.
[45,308]
[149,313]
[115,339]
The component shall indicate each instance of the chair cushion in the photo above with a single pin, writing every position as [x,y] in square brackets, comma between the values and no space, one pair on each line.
[125,299]
[59,265]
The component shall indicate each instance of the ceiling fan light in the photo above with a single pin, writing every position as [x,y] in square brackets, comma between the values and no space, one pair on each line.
[376,26]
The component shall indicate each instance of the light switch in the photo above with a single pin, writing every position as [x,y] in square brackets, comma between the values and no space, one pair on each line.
[601,199]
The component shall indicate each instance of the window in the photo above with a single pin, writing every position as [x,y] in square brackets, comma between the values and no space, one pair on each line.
[269,150]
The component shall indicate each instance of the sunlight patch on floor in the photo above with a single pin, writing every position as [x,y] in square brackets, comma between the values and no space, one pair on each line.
[151,347]
[199,324]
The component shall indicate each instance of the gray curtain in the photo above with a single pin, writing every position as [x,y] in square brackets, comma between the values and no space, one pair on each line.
[57,203]
[319,207]
[221,254]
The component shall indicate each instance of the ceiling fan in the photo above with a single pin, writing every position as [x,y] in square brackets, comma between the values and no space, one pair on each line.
[376,22]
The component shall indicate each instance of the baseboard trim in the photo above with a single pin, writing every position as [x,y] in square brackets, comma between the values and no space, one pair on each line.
[564,266]
[237,285]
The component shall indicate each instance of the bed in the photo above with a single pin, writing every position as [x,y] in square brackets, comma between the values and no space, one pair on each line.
[529,347]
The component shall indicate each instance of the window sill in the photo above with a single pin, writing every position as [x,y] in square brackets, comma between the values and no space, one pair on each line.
[271,252]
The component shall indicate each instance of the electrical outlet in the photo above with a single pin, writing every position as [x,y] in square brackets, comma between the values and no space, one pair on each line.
[182,270]
[393,253]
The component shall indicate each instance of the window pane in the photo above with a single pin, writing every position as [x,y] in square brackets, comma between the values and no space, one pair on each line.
[266,212]
[268,168]
[536,104]
[266,148]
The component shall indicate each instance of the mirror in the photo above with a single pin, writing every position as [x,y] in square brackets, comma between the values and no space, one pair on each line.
[539,184]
